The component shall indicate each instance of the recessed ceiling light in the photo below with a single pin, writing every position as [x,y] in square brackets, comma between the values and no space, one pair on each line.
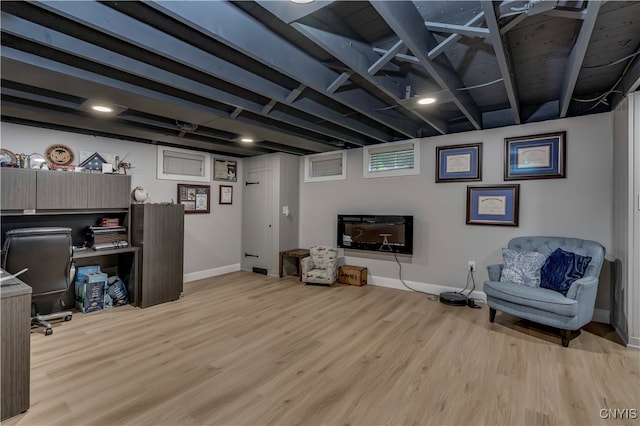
[246,140]
[426,101]
[301,1]
[102,108]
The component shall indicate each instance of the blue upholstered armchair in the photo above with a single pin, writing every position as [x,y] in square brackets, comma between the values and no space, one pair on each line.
[569,311]
[321,267]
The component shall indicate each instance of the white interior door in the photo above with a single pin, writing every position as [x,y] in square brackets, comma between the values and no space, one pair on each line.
[258,220]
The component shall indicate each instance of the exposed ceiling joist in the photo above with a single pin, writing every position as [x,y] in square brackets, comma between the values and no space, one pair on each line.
[576,57]
[354,54]
[406,22]
[102,18]
[230,26]
[453,38]
[506,68]
[464,30]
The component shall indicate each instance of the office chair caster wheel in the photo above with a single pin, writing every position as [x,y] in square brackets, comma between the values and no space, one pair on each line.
[68,317]
[48,331]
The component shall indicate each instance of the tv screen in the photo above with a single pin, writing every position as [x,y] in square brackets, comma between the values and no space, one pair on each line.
[391,234]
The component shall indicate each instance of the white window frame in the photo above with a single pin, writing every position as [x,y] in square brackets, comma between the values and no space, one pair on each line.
[308,160]
[366,158]
[188,178]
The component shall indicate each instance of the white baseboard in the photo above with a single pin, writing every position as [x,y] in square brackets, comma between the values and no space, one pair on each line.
[601,315]
[423,287]
[208,273]
[634,342]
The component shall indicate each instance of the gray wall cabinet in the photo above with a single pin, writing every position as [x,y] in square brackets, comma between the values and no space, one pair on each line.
[18,190]
[49,190]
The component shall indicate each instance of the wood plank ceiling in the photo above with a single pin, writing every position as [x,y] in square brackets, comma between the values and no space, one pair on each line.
[312,77]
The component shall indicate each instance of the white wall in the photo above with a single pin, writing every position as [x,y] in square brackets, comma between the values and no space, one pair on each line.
[212,241]
[578,206]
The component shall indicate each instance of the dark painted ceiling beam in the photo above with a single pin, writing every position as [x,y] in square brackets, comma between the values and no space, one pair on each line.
[574,63]
[230,26]
[112,22]
[289,12]
[453,38]
[59,41]
[353,53]
[36,71]
[464,30]
[47,115]
[504,63]
[399,56]
[406,22]
[629,83]
[335,84]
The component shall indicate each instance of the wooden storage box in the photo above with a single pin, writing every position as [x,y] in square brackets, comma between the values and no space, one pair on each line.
[353,275]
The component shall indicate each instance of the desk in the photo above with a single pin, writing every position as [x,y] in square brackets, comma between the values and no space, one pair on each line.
[15,346]
[297,254]
[122,261]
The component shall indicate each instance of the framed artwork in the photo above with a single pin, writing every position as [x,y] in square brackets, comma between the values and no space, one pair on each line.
[535,157]
[226,194]
[459,163]
[225,170]
[194,198]
[493,205]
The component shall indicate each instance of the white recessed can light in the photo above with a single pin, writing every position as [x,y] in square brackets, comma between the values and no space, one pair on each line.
[426,101]
[101,108]
[246,140]
[301,1]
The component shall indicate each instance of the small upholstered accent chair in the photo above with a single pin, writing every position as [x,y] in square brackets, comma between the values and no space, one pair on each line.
[542,305]
[321,267]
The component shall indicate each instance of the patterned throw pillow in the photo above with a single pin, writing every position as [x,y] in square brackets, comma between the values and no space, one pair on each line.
[561,269]
[522,267]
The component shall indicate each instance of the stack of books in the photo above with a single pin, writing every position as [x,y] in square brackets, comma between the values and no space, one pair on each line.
[108,237]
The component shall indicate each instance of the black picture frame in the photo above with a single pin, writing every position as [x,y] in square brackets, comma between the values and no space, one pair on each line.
[225,195]
[459,163]
[493,205]
[535,157]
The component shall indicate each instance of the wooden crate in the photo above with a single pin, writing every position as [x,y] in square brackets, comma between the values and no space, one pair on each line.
[353,275]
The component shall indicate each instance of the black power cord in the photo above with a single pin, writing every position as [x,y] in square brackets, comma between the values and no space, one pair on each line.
[432,296]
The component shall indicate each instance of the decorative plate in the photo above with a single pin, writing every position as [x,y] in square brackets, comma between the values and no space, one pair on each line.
[7,157]
[59,154]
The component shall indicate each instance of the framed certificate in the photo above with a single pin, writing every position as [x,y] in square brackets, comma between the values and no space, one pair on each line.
[535,157]
[226,194]
[493,205]
[194,198]
[225,170]
[459,163]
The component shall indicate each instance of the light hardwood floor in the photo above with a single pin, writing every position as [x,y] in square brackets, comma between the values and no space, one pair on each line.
[246,349]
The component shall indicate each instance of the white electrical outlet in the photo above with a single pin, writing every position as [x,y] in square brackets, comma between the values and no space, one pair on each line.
[471,265]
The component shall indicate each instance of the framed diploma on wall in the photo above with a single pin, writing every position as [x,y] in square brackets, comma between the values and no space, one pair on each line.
[459,163]
[535,157]
[226,194]
[493,205]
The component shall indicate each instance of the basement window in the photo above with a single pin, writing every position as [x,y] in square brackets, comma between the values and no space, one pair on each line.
[392,159]
[182,164]
[325,167]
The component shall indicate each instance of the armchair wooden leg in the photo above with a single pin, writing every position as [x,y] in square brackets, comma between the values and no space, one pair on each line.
[492,315]
[565,335]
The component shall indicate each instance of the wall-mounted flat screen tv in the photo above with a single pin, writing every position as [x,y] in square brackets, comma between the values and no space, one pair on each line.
[391,234]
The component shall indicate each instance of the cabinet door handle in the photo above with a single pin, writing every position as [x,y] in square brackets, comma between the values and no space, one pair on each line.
[250,255]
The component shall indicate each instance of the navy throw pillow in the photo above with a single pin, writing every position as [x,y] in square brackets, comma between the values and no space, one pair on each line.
[561,269]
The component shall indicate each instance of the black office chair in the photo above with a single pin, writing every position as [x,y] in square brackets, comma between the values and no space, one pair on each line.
[46,252]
